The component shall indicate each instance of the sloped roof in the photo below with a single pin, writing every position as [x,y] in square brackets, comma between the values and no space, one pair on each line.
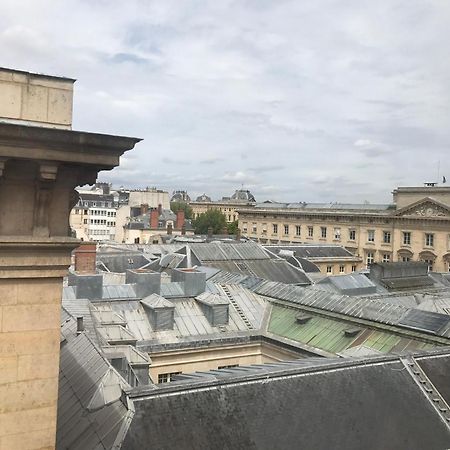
[369,404]
[227,251]
[81,426]
[312,250]
[269,269]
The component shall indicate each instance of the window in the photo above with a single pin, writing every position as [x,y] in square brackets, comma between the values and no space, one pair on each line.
[430,264]
[85,221]
[351,235]
[341,268]
[254,228]
[406,238]
[323,232]
[275,228]
[353,268]
[167,377]
[298,230]
[369,258]
[387,237]
[337,233]
[370,235]
[386,257]
[286,229]
[264,228]
[405,258]
[244,227]
[429,239]
[329,269]
[310,231]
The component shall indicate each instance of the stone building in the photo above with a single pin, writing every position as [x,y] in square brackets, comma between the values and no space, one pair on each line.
[42,160]
[416,227]
[228,205]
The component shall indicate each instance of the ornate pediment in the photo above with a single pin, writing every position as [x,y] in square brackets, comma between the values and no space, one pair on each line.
[426,208]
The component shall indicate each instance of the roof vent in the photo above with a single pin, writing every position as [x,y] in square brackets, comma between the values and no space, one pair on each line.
[303,318]
[351,332]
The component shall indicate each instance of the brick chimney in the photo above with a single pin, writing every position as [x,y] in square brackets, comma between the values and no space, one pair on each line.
[144,208]
[86,258]
[154,219]
[160,209]
[180,219]
[183,229]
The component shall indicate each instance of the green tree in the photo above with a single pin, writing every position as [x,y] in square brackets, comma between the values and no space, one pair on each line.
[212,218]
[176,206]
[233,227]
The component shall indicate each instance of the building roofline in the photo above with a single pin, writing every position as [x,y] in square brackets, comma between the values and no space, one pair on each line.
[38,75]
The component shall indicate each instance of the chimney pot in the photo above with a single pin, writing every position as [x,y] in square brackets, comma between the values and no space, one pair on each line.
[160,209]
[169,229]
[180,219]
[154,219]
[86,258]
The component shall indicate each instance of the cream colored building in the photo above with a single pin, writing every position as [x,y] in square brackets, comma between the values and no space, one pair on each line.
[416,227]
[228,205]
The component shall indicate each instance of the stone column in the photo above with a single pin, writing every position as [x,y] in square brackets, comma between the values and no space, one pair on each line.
[39,168]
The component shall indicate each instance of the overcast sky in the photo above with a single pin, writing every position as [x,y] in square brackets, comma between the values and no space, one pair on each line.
[324,100]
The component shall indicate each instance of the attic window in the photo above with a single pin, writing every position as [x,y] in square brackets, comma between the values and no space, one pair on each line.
[351,332]
[303,318]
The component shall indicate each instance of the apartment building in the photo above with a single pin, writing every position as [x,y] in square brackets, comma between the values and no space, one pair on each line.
[415,227]
[94,216]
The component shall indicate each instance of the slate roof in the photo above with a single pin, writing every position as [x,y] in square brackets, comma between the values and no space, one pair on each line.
[269,269]
[375,403]
[350,284]
[90,412]
[358,307]
[312,250]
[227,251]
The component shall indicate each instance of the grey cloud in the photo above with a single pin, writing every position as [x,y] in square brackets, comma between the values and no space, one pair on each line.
[229,92]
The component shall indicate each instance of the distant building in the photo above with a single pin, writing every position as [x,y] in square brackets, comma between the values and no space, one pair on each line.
[180,196]
[150,225]
[101,213]
[416,227]
[227,206]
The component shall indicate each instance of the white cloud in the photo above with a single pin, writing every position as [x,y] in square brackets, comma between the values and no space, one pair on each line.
[322,90]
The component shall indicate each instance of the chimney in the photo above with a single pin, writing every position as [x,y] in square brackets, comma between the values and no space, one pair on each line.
[180,219]
[210,232]
[225,230]
[238,234]
[146,282]
[154,219]
[183,229]
[160,209]
[193,280]
[80,324]
[144,208]
[169,229]
[85,258]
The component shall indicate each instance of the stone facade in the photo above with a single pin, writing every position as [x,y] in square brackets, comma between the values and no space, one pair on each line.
[417,228]
[39,168]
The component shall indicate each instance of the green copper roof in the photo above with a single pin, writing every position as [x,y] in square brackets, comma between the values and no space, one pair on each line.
[329,334]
